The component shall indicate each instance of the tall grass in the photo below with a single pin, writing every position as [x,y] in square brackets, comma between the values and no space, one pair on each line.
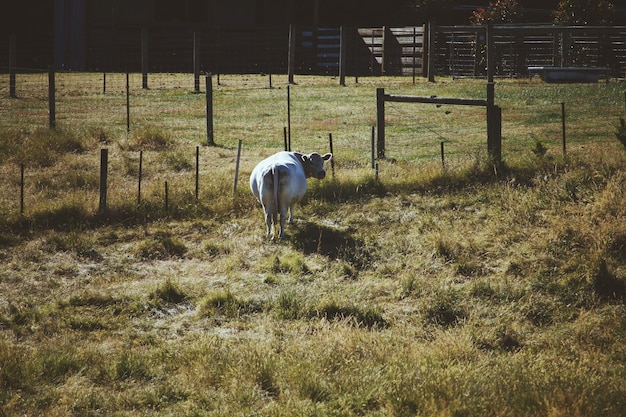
[464,290]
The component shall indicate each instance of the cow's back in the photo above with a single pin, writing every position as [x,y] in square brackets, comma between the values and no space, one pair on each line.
[291,176]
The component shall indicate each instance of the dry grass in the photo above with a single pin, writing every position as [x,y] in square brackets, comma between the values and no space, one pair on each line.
[467,291]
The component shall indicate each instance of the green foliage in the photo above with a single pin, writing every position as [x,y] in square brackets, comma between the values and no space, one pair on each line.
[501,11]
[584,12]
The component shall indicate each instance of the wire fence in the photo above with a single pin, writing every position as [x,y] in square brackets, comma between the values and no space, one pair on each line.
[252,108]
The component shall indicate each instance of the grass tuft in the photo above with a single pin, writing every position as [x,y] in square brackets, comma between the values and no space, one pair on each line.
[369,317]
[168,292]
[150,139]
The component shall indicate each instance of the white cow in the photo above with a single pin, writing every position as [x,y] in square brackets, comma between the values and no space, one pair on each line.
[279,182]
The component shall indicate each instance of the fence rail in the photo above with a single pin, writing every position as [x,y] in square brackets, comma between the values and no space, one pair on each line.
[461,50]
[457,50]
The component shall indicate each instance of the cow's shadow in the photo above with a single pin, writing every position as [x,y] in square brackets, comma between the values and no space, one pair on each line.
[331,242]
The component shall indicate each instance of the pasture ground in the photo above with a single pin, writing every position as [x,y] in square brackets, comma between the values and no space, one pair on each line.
[472,290]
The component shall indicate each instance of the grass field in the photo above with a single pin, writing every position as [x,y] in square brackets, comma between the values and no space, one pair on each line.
[469,290]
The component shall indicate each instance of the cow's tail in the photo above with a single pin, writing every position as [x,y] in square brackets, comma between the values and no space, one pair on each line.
[275,173]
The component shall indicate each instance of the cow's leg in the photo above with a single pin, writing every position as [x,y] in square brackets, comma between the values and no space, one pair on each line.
[268,223]
[291,212]
[274,222]
[283,217]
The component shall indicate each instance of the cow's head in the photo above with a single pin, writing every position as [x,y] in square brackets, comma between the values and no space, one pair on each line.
[313,164]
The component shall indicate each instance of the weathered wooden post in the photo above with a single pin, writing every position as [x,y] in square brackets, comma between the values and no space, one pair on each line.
[144,58]
[104,162]
[291,54]
[209,110]
[51,98]
[494,133]
[490,57]
[12,65]
[196,62]
[383,63]
[494,113]
[380,121]
[343,54]
[432,33]
[414,58]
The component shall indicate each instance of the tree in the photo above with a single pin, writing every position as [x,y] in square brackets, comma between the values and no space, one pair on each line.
[584,12]
[500,11]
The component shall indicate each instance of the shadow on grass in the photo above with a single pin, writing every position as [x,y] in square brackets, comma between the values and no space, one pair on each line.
[331,242]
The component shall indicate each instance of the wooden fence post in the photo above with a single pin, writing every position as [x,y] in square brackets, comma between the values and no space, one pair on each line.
[196,62]
[494,133]
[491,55]
[51,98]
[292,53]
[380,121]
[104,162]
[383,66]
[209,110]
[343,54]
[413,54]
[144,58]
[432,33]
[12,65]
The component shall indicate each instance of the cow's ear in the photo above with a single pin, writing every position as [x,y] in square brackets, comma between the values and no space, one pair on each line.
[327,157]
[304,158]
